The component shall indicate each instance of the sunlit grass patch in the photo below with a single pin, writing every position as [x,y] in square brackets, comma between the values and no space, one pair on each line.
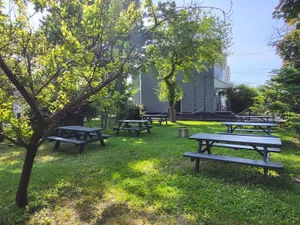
[146,166]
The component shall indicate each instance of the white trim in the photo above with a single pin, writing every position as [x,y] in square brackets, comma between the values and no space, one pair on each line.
[219,84]
[140,87]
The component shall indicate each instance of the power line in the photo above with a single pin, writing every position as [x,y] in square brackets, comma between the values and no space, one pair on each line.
[251,70]
[252,53]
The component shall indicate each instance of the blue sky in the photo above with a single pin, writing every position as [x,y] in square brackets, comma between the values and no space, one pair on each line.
[252,27]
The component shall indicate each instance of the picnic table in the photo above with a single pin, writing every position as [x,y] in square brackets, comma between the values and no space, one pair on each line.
[78,135]
[160,117]
[262,145]
[128,125]
[256,127]
[264,119]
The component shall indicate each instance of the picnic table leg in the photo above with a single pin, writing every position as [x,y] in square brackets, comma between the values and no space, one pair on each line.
[265,169]
[166,120]
[197,167]
[208,147]
[57,144]
[119,126]
[127,125]
[77,135]
[137,133]
[60,134]
[265,175]
[147,126]
[81,148]
[99,135]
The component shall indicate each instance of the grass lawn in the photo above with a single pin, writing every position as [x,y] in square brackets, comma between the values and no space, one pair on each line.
[147,180]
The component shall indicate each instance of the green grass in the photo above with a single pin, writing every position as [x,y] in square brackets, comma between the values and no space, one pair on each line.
[147,180]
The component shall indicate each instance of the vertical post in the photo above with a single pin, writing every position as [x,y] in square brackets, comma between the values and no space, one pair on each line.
[229,94]
[204,95]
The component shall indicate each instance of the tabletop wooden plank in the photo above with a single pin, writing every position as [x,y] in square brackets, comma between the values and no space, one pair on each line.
[250,124]
[80,128]
[157,115]
[133,121]
[249,140]
[239,116]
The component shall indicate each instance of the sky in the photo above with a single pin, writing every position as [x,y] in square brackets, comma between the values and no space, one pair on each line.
[252,28]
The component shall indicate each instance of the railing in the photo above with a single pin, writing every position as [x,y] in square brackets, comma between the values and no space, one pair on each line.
[167,110]
[191,113]
[245,111]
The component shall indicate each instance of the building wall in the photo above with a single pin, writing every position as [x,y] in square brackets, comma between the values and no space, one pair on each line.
[222,72]
[194,93]
[149,98]
[193,98]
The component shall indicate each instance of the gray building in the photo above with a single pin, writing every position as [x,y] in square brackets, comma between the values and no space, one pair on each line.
[202,94]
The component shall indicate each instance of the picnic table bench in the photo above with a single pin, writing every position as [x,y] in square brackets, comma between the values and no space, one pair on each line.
[127,125]
[240,126]
[262,145]
[246,147]
[78,135]
[264,119]
[160,117]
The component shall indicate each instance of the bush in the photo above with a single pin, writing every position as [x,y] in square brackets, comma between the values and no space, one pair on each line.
[242,97]
[131,112]
[294,122]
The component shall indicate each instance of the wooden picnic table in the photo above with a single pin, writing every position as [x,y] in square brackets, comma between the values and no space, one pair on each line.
[262,145]
[78,135]
[160,117]
[128,125]
[264,119]
[239,126]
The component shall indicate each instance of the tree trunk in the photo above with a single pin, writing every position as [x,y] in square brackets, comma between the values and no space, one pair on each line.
[172,113]
[32,147]
[21,197]
[1,131]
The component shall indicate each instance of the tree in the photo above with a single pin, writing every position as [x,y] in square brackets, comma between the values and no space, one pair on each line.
[282,92]
[288,45]
[61,64]
[188,39]
[242,97]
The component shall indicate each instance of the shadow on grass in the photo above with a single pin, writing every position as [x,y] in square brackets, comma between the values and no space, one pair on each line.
[147,180]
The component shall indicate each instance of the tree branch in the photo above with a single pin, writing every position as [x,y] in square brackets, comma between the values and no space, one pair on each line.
[52,77]
[21,144]
[31,102]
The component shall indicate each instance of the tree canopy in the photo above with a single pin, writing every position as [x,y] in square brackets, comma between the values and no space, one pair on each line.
[191,39]
[79,49]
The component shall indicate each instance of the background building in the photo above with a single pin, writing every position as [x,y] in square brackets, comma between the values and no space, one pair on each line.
[201,95]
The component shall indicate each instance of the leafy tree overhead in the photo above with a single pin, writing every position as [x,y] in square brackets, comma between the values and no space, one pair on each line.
[288,45]
[80,49]
[282,92]
[242,97]
[190,39]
